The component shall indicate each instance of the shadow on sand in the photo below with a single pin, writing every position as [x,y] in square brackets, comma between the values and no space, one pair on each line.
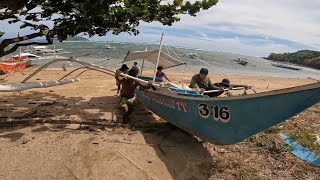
[183,155]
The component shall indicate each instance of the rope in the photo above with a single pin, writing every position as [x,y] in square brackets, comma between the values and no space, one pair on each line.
[166,48]
[175,54]
[206,63]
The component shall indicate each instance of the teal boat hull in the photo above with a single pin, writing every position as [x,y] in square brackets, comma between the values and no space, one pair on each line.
[229,120]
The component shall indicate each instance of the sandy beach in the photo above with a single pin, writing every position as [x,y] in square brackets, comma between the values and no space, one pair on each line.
[73,132]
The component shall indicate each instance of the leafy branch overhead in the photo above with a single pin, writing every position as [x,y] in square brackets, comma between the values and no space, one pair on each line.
[96,17]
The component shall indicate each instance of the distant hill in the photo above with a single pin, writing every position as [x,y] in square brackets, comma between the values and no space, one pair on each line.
[75,38]
[306,58]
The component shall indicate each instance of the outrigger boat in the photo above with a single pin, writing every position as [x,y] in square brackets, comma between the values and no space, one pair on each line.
[286,66]
[14,64]
[228,120]
[219,120]
[44,50]
[223,120]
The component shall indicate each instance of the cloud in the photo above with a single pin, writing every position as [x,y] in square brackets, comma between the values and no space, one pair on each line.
[230,45]
[245,26]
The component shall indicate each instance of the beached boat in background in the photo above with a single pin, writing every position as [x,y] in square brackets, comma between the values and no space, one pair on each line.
[28,55]
[44,50]
[286,66]
[14,64]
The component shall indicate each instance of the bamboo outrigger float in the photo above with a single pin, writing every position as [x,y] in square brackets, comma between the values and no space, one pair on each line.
[25,85]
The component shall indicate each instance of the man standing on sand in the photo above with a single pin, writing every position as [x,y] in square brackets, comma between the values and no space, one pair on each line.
[124,69]
[128,100]
[202,81]
[136,68]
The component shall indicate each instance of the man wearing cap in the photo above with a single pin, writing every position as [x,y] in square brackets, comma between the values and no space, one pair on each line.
[124,69]
[202,81]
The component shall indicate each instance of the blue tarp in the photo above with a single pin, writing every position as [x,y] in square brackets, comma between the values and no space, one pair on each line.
[301,152]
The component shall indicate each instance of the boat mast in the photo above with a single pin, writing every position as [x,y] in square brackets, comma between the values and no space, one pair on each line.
[155,68]
[143,62]
[19,47]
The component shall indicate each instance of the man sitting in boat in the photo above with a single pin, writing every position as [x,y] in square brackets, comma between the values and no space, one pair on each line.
[136,68]
[124,69]
[127,98]
[202,83]
[160,75]
[225,84]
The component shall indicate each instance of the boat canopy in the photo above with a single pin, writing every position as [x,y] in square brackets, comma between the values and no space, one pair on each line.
[166,61]
[39,47]
[28,55]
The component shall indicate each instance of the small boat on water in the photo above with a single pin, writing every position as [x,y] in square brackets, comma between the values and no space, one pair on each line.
[286,66]
[44,50]
[109,47]
[193,55]
[14,64]
[241,61]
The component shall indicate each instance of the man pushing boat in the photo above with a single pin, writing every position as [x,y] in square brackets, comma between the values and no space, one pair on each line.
[127,98]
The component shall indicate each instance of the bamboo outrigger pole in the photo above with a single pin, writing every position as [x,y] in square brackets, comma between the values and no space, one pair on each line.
[155,68]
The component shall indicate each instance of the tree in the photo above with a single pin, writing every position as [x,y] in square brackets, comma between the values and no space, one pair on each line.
[91,17]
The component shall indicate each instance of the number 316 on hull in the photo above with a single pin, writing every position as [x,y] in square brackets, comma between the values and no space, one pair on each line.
[218,113]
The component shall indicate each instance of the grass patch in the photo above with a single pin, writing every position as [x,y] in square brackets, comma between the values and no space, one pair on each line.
[229,167]
[263,140]
[274,129]
[307,138]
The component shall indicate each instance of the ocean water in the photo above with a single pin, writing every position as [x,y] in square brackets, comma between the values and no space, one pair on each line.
[216,62]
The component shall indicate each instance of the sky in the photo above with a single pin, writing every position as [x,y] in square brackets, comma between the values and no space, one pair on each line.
[248,27]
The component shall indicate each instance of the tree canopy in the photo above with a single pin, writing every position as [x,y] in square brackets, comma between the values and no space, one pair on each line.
[91,17]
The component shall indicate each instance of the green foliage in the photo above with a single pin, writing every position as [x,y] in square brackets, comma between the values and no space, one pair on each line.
[97,17]
[263,140]
[274,129]
[304,57]
[307,138]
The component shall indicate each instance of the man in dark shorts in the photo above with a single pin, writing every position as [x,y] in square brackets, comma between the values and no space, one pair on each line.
[127,97]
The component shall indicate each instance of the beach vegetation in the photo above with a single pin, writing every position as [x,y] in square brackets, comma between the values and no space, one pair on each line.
[306,58]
